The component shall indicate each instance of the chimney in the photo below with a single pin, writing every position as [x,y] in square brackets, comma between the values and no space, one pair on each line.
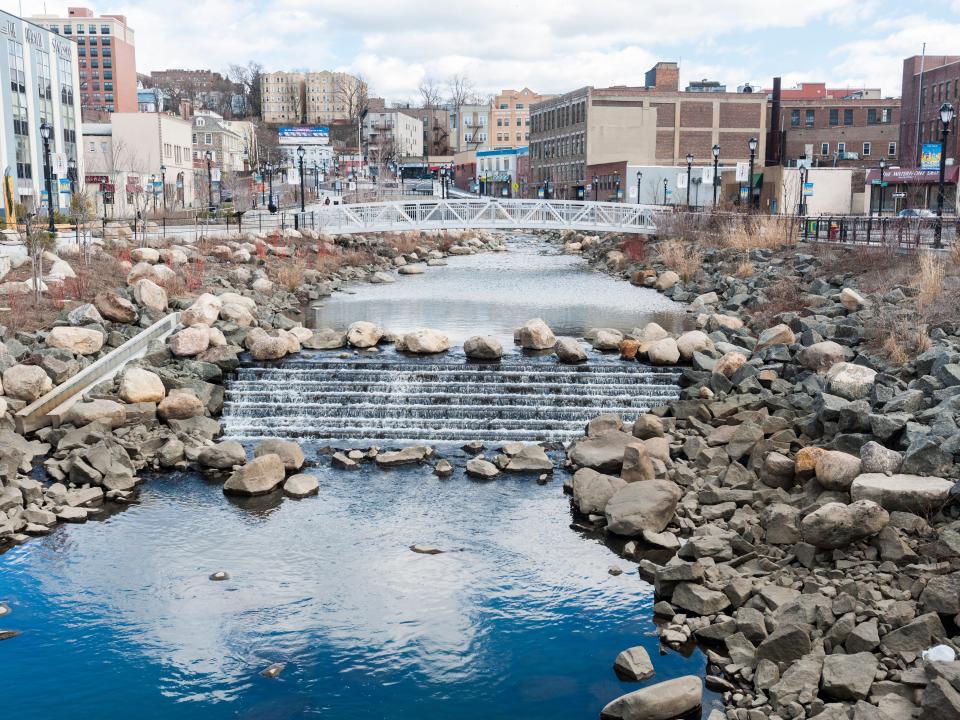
[773,136]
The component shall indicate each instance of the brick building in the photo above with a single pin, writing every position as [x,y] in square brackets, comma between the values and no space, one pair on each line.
[656,124]
[940,84]
[106,59]
[437,125]
[510,117]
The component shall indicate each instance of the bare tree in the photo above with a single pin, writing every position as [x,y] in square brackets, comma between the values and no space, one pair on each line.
[37,242]
[430,93]
[353,94]
[82,208]
[248,78]
[239,189]
[460,92]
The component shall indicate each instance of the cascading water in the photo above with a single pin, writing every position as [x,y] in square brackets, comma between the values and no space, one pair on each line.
[402,399]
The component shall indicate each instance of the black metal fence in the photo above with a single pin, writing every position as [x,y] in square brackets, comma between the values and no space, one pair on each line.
[898,231]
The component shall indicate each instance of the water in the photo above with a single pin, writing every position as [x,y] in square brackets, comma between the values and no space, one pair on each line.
[492,293]
[518,619]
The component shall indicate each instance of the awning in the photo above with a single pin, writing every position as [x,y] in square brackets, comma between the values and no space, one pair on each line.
[914,176]
[757,179]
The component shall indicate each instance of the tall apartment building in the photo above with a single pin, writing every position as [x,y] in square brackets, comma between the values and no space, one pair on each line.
[837,127]
[315,98]
[653,124]
[106,58]
[392,134]
[510,118]
[39,70]
[921,101]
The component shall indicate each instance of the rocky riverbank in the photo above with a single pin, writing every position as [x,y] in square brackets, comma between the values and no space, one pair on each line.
[803,485]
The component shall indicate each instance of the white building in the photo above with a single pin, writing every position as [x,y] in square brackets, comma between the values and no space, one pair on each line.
[390,134]
[317,151]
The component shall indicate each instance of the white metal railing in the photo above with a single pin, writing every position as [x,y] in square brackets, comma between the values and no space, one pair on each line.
[482,213]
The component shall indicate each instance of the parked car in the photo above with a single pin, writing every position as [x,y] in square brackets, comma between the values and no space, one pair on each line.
[916,213]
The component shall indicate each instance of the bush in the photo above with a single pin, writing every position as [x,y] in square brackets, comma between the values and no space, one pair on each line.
[682,257]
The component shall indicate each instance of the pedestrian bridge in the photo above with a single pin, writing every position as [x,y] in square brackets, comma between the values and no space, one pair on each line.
[481,213]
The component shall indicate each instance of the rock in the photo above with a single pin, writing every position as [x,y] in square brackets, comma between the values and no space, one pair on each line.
[424,342]
[480,468]
[86,314]
[640,506]
[592,490]
[79,340]
[864,637]
[836,525]
[637,465]
[942,594]
[786,644]
[536,335]
[663,352]
[364,334]
[666,280]
[730,363]
[837,470]
[530,458]
[941,700]
[569,350]
[138,385]
[269,348]
[848,677]
[910,493]
[150,295]
[258,477]
[223,456]
[443,469]
[26,382]
[777,335]
[781,523]
[272,671]
[821,356]
[691,342]
[648,426]
[382,277]
[413,454]
[698,599]
[411,270]
[633,664]
[426,550]
[106,411]
[607,340]
[483,347]
[875,458]
[629,349]
[326,339]
[115,308]
[851,300]
[927,456]
[289,452]
[662,701]
[301,486]
[602,452]
[190,341]
[205,310]
[180,405]
[850,381]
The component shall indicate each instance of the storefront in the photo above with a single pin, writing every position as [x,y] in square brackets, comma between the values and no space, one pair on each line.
[912,189]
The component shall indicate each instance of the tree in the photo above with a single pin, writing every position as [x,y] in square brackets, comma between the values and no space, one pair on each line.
[248,77]
[82,210]
[37,241]
[430,93]
[352,93]
[460,92]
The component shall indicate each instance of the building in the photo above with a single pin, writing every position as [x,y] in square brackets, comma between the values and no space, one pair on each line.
[202,89]
[705,85]
[151,100]
[317,150]
[314,98]
[510,117]
[820,126]
[830,191]
[392,135]
[928,82]
[655,124]
[231,143]
[438,127]
[497,172]
[139,162]
[106,58]
[40,73]
[472,128]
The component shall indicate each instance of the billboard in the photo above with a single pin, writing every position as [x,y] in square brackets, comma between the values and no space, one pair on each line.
[930,156]
[314,133]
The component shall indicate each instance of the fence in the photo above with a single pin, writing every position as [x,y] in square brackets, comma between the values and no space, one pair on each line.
[900,231]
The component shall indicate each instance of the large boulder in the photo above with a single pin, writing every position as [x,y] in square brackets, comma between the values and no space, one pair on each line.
[836,470]
[851,299]
[536,335]
[423,342]
[190,341]
[362,334]
[698,599]
[909,493]
[204,311]
[98,410]
[633,664]
[692,342]
[483,347]
[481,469]
[836,525]
[592,490]
[875,458]
[637,465]
[325,339]
[602,452]
[569,350]
[301,486]
[777,335]
[180,404]
[642,506]
[288,451]
[267,347]
[26,382]
[150,295]
[848,677]
[607,340]
[79,340]
[138,385]
[222,456]
[530,458]
[850,381]
[258,477]
[666,280]
[86,314]
[662,701]
[730,363]
[822,356]
[115,308]
[663,352]
[406,456]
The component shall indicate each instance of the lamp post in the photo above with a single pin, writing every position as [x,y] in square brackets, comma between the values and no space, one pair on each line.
[883,166]
[262,167]
[616,179]
[153,191]
[639,178]
[664,191]
[271,206]
[303,200]
[596,188]
[716,172]
[752,144]
[946,117]
[210,206]
[689,167]
[163,183]
[45,131]
[803,181]
[316,181]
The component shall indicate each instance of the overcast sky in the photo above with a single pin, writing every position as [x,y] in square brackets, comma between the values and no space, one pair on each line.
[548,45]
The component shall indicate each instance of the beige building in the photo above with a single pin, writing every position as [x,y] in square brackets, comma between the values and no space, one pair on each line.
[231,143]
[510,118]
[125,159]
[392,134]
[315,98]
[472,128]
[835,191]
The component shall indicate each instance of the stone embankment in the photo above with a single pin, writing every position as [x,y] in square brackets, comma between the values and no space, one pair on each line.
[794,509]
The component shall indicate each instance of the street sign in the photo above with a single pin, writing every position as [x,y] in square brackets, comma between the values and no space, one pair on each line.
[899,195]
[808,189]
[930,156]
[540,193]
[743,172]
[881,184]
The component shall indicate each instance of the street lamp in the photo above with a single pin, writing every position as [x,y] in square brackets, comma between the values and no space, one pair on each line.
[271,206]
[639,178]
[45,131]
[752,144]
[210,207]
[883,166]
[803,182]
[664,191]
[616,176]
[716,172]
[153,191]
[72,174]
[163,183]
[303,202]
[596,188]
[946,117]
[689,166]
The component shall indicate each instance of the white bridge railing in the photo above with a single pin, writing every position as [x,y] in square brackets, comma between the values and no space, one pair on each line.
[488,213]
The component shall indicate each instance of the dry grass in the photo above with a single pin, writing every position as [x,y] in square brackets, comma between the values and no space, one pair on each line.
[900,339]
[749,232]
[744,269]
[683,258]
[785,295]
[929,280]
[290,274]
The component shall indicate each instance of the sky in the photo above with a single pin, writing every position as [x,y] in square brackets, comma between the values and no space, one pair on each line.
[550,46]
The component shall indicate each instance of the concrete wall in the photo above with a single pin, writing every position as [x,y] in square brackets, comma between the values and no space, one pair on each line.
[833,191]
[621,133]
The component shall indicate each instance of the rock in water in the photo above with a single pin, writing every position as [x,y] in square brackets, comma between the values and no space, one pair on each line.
[536,335]
[531,458]
[273,670]
[568,350]
[482,469]
[301,486]
[426,550]
[220,576]
[424,342]
[663,701]
[639,506]
[413,454]
[633,664]
[289,452]
[258,477]
[364,334]
[602,452]
[592,490]
[483,347]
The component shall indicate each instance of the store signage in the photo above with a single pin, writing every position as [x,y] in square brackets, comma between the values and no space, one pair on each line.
[930,156]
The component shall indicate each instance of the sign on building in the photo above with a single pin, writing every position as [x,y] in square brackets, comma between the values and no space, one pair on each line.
[312,132]
[681,181]
[707,175]
[930,156]
[808,189]
[743,172]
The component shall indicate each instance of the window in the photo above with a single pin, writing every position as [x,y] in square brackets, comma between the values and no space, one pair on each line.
[93,146]
[824,148]
[207,139]
[866,149]
[68,30]
[841,148]
[504,106]
[194,138]
[92,29]
[104,29]
[519,122]
[794,118]
[811,117]
[848,117]
[872,116]
[892,149]
[499,122]
[834,116]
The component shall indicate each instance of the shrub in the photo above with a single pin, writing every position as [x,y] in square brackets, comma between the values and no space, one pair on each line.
[683,258]
[929,280]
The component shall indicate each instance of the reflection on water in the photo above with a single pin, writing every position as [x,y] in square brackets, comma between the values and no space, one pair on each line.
[518,618]
[492,293]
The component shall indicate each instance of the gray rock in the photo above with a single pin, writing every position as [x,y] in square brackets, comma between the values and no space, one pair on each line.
[836,525]
[662,701]
[481,469]
[289,452]
[592,490]
[603,452]
[848,677]
[786,644]
[942,594]
[325,339]
[483,347]
[910,493]
[531,458]
[648,426]
[222,456]
[260,476]
[301,486]
[640,506]
[406,456]
[698,599]
[836,470]
[633,664]
[569,350]
[875,458]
